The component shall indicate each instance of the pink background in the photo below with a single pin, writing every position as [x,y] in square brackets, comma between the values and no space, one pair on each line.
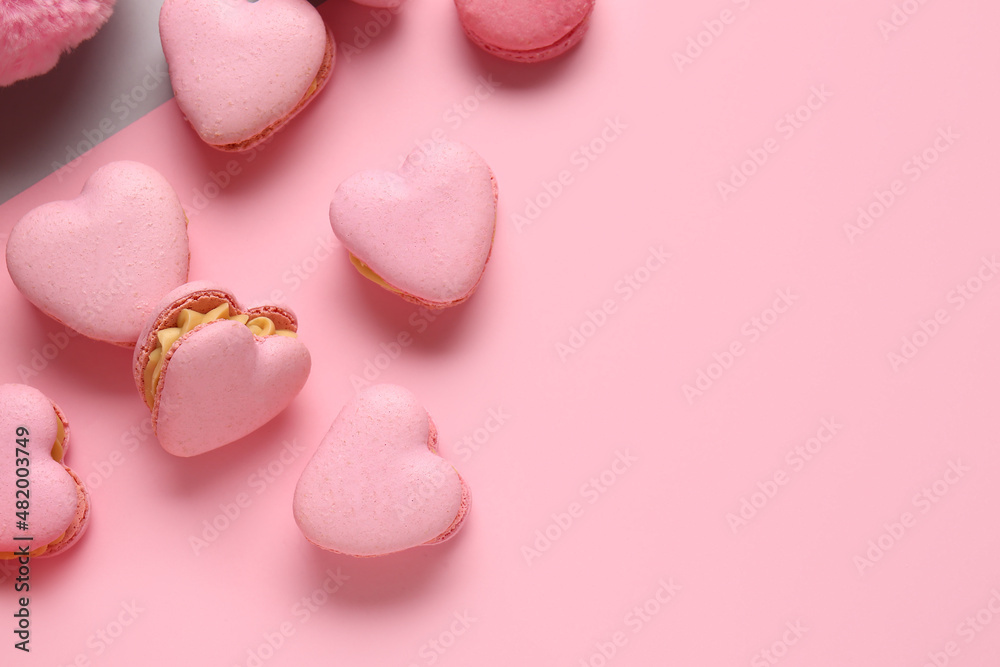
[789,580]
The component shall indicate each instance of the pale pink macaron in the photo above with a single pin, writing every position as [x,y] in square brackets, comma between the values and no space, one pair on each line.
[44,506]
[100,262]
[212,371]
[376,484]
[424,231]
[241,69]
[525,30]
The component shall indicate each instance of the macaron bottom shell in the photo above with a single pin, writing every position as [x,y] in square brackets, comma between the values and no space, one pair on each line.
[370,274]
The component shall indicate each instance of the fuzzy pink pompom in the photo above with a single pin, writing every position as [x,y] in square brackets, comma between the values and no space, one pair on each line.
[34,33]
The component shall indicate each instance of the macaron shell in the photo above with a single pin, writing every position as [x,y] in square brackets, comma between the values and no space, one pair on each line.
[78,526]
[220,383]
[55,498]
[239,68]
[208,295]
[165,314]
[82,517]
[525,30]
[99,263]
[426,230]
[375,485]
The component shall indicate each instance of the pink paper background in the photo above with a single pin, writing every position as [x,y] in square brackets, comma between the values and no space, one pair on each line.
[789,580]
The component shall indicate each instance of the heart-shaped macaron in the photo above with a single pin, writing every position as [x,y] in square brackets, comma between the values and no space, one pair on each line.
[100,262]
[525,30]
[212,371]
[240,69]
[376,485]
[44,506]
[424,231]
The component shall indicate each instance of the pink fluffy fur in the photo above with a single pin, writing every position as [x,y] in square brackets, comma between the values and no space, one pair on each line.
[34,33]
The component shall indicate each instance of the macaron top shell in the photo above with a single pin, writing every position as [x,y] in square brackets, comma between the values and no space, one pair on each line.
[31,424]
[99,262]
[525,29]
[237,67]
[376,484]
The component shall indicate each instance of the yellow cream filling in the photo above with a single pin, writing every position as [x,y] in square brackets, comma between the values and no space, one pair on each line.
[312,89]
[188,320]
[57,451]
[57,448]
[367,272]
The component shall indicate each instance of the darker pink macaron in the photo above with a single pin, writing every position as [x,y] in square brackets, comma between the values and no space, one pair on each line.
[525,30]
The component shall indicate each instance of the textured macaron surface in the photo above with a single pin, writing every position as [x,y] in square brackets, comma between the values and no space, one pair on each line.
[219,381]
[28,431]
[522,25]
[222,383]
[100,262]
[376,484]
[426,229]
[237,67]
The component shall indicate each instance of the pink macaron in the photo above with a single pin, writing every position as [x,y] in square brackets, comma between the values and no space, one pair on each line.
[424,231]
[212,371]
[241,69]
[100,262]
[44,506]
[376,484]
[525,30]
